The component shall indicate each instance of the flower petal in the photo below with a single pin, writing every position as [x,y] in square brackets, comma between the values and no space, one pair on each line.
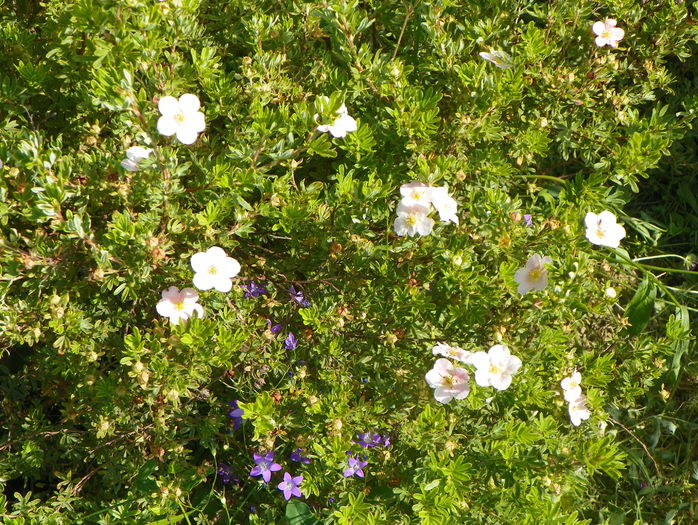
[204,280]
[168,106]
[189,103]
[598,28]
[223,284]
[167,125]
[200,262]
[186,135]
[197,121]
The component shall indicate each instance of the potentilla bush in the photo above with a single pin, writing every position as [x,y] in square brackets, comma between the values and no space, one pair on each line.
[343,262]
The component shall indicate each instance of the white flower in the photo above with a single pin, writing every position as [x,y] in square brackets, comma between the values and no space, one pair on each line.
[448,381]
[416,193]
[412,220]
[578,410]
[454,352]
[499,58]
[444,204]
[607,33]
[611,292]
[181,117]
[134,156]
[603,230]
[571,386]
[179,306]
[214,269]
[495,367]
[342,125]
[533,276]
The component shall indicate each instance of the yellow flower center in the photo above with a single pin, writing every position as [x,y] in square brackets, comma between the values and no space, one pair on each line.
[212,270]
[493,369]
[448,381]
[179,117]
[411,221]
[606,34]
[179,305]
[535,274]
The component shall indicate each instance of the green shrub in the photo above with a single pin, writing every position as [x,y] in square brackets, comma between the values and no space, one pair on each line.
[113,414]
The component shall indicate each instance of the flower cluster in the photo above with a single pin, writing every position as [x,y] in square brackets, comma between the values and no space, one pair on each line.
[265,466]
[573,395]
[415,206]
[372,439]
[212,269]
[492,368]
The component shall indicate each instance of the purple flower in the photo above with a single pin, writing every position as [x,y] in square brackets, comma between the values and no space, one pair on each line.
[386,441]
[273,329]
[236,414]
[354,467]
[290,342]
[265,466]
[528,219]
[226,474]
[297,295]
[253,289]
[289,486]
[368,440]
[297,456]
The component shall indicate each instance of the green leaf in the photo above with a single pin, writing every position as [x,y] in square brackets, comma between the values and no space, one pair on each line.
[298,513]
[639,309]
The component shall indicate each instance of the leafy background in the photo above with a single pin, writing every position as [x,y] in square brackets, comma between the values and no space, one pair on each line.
[111,415]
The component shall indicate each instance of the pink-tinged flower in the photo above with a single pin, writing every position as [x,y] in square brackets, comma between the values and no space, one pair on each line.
[448,381]
[603,230]
[607,34]
[342,125]
[289,486]
[413,220]
[533,276]
[444,204]
[571,386]
[214,269]
[495,367]
[453,352]
[181,117]
[264,466]
[416,193]
[578,410]
[179,305]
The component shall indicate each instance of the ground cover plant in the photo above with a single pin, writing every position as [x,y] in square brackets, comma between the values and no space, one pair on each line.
[374,262]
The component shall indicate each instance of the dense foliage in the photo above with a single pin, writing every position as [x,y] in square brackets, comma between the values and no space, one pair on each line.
[112,413]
